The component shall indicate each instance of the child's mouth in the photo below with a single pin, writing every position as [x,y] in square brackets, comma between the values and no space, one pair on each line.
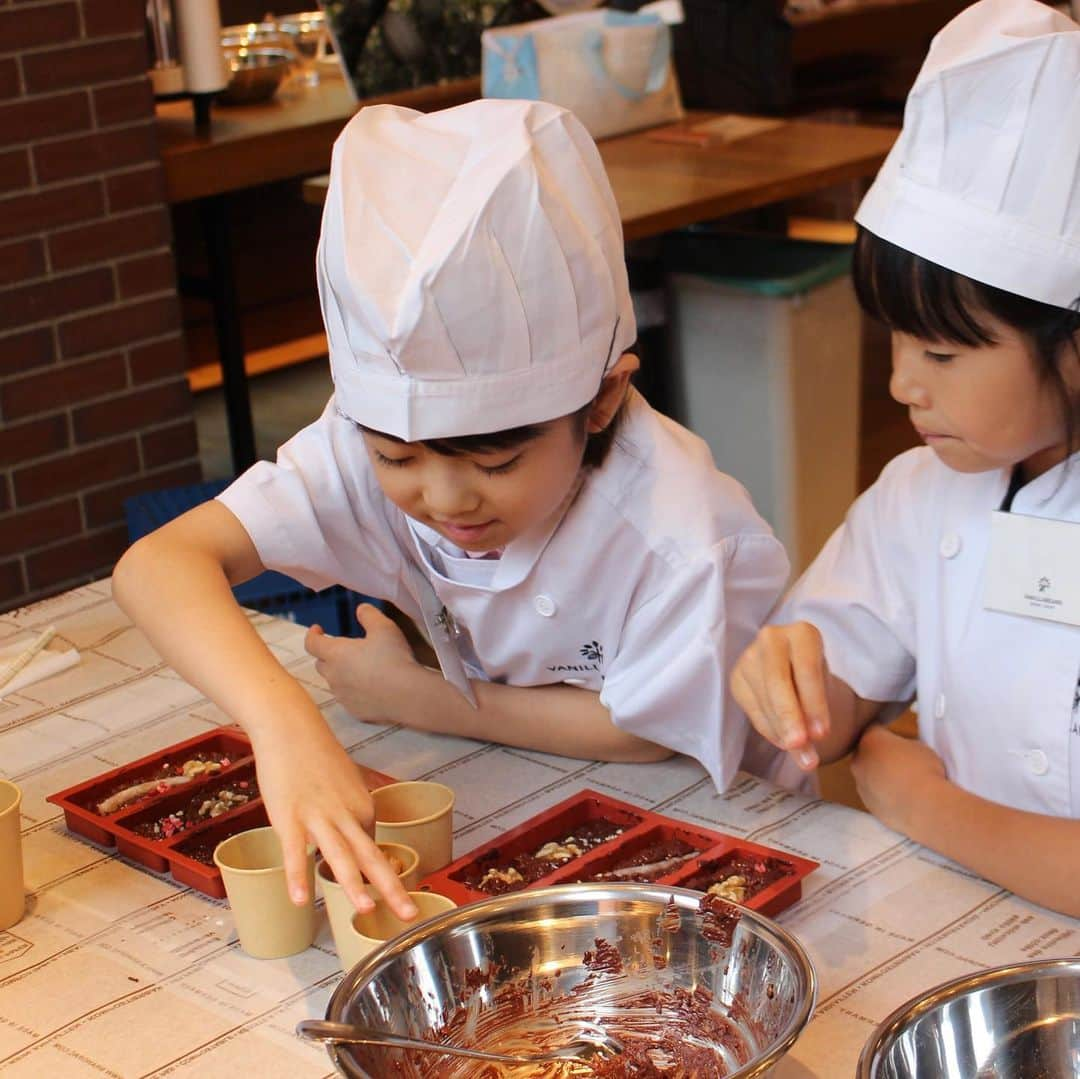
[464,533]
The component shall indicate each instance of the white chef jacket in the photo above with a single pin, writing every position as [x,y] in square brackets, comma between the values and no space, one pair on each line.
[897,594]
[646,589]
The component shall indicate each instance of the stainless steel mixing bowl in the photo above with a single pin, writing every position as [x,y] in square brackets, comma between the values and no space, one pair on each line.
[1014,1022]
[763,982]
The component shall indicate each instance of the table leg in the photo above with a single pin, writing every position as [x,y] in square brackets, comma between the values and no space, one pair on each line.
[213,213]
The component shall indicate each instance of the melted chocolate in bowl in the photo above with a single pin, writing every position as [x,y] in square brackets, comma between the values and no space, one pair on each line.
[694,988]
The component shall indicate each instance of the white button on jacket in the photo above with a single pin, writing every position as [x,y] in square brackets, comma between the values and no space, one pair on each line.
[663,570]
[900,616]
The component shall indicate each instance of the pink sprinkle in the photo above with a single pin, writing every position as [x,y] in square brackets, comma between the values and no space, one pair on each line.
[225,762]
[243,784]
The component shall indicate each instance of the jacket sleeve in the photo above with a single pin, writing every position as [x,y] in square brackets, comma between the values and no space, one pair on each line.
[317,513]
[861,589]
[668,682]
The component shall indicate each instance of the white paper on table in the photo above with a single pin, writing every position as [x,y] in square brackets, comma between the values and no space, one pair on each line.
[43,665]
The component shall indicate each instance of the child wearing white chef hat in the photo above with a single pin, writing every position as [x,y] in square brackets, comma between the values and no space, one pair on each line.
[584,573]
[956,577]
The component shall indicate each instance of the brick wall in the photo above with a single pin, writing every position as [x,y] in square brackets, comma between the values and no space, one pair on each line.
[94,405]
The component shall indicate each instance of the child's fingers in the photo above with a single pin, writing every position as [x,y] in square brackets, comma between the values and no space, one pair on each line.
[379,872]
[808,669]
[294,855]
[746,696]
[337,850]
[781,698]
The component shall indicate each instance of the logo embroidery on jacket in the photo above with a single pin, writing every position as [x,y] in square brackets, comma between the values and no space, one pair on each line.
[590,650]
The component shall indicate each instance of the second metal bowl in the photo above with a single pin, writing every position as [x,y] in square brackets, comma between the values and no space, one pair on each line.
[762,984]
[1012,1022]
[256,73]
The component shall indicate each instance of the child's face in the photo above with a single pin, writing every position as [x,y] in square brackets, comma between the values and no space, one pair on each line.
[481,501]
[981,408]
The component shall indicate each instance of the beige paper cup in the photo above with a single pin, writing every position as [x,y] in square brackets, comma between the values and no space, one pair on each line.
[419,814]
[365,932]
[268,923]
[12,893]
[339,908]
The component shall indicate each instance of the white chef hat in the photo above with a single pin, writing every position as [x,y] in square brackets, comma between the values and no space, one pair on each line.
[985,176]
[471,268]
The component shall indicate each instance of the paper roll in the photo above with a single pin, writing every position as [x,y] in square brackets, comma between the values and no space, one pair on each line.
[199,38]
[43,665]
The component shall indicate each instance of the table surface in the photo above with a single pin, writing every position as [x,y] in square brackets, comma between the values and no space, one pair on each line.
[118,971]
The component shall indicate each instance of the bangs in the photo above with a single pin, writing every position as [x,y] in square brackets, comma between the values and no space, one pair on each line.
[486,443]
[912,295]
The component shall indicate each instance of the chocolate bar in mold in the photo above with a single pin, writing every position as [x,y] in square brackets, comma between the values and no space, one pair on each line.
[82,803]
[646,857]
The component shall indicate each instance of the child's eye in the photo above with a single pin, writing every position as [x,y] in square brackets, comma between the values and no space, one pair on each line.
[499,470]
[939,357]
[391,462]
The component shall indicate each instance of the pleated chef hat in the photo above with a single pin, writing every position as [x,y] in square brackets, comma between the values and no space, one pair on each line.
[470,267]
[985,177]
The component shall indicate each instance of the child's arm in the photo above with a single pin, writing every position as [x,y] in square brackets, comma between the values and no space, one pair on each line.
[903,782]
[783,684]
[175,584]
[378,678]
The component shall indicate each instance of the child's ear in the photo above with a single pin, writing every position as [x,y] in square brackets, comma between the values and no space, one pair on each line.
[612,393]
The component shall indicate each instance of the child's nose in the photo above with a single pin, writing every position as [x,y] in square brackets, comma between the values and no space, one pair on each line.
[448,497]
[905,386]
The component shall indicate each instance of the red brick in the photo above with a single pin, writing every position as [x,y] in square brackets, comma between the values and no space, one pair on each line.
[86,154]
[75,471]
[164,445]
[9,78]
[24,215]
[62,385]
[54,297]
[28,27]
[26,441]
[43,117]
[84,65]
[150,273]
[91,555]
[34,528]
[14,173]
[109,239]
[157,360]
[122,103]
[120,325]
[140,187]
[5,498]
[105,18]
[21,261]
[12,583]
[133,411]
[107,504]
[24,351]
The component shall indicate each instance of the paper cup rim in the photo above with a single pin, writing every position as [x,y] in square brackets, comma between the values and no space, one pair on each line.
[413,821]
[13,806]
[280,868]
[415,896]
[321,861]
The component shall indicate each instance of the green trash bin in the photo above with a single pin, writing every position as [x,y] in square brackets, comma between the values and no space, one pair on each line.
[766,351]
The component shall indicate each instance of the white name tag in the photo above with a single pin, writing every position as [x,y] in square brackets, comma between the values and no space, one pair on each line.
[1034,568]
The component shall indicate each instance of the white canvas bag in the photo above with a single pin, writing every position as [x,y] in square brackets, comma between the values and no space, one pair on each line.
[612,69]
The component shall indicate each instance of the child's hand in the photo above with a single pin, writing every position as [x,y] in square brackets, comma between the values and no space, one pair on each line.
[780,682]
[360,671]
[891,773]
[315,794]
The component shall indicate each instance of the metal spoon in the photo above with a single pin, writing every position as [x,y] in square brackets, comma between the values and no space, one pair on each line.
[590,1043]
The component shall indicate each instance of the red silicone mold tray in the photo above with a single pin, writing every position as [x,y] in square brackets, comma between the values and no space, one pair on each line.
[186,833]
[646,846]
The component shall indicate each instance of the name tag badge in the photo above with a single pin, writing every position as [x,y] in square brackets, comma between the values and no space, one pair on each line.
[1034,568]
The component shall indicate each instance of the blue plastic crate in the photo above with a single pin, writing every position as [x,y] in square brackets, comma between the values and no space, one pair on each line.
[275,593]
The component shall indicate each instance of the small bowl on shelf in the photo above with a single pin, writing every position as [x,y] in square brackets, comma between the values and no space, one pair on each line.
[256,73]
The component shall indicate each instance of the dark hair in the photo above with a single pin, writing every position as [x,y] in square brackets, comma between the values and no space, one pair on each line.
[597,446]
[912,295]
